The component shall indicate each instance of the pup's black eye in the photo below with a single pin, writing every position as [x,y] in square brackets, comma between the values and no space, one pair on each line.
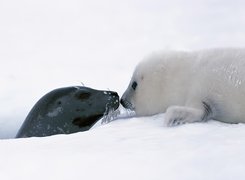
[134,85]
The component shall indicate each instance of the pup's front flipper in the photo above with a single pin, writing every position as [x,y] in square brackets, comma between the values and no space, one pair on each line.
[177,115]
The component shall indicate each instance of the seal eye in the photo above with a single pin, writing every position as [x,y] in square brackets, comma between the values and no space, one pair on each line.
[84,95]
[134,85]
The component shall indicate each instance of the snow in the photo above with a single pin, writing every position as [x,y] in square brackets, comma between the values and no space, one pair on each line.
[136,148]
[50,44]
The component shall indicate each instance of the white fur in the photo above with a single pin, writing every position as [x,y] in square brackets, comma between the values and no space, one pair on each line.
[190,86]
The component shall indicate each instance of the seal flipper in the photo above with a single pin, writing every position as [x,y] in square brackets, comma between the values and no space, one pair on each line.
[176,115]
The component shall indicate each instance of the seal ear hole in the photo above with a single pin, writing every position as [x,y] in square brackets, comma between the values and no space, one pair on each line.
[84,95]
[59,102]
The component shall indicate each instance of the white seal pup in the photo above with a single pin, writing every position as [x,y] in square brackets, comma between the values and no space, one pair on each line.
[190,86]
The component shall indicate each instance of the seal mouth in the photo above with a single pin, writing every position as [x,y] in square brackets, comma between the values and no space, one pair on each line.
[110,115]
[126,104]
[109,108]
[113,103]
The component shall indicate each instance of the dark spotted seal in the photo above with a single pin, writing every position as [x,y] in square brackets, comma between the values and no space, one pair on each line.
[68,110]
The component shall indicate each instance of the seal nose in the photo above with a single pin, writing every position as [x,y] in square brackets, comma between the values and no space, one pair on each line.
[114,94]
[122,101]
[126,104]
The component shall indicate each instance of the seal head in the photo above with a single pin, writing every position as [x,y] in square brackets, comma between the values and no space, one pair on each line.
[68,110]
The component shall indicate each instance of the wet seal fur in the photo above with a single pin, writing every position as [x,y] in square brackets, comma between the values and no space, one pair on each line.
[190,86]
[68,110]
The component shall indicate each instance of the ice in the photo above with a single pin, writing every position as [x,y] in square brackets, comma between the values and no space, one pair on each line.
[119,113]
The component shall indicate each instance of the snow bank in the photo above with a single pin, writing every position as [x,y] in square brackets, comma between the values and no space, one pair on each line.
[136,148]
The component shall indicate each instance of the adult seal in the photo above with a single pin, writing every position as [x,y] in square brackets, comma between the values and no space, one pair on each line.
[68,110]
[190,86]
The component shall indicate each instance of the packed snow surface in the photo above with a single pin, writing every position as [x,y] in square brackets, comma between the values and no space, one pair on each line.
[50,44]
[135,148]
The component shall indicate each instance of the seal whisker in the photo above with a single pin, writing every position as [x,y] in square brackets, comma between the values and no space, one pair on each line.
[207,111]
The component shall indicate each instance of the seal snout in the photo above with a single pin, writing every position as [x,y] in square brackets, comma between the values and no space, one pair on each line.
[126,104]
[112,101]
[114,94]
[68,110]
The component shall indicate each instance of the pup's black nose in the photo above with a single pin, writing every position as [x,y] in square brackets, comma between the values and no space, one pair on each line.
[123,103]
